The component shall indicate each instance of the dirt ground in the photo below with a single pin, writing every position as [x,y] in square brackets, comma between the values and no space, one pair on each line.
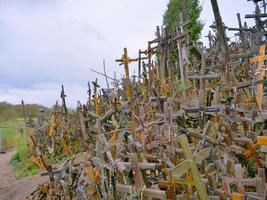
[11,187]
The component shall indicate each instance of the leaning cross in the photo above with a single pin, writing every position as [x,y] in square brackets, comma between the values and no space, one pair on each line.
[125,60]
[260,62]
[189,164]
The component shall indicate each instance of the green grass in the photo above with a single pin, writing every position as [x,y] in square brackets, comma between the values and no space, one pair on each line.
[21,160]
[11,136]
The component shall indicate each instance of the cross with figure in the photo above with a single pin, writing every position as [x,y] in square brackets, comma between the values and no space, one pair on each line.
[125,60]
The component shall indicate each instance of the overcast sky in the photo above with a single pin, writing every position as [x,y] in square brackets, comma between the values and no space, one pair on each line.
[46,43]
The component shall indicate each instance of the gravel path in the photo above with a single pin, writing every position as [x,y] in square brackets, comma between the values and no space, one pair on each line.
[11,187]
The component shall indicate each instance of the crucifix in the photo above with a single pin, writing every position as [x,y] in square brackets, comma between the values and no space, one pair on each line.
[261,73]
[182,41]
[125,60]
[211,39]
[162,52]
[149,55]
[140,58]
[150,52]
[63,97]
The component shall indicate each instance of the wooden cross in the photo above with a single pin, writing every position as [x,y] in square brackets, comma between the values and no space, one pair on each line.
[202,77]
[220,29]
[125,60]
[189,164]
[221,37]
[260,62]
[257,16]
[241,31]
[256,182]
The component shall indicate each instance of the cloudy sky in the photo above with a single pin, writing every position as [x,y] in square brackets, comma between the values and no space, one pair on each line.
[46,43]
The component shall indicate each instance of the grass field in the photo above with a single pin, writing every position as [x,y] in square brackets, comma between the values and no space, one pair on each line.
[12,137]
[11,132]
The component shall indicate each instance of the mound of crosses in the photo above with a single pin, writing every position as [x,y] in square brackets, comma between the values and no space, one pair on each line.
[194,129]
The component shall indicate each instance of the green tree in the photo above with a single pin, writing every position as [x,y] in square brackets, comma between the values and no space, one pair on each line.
[192,10]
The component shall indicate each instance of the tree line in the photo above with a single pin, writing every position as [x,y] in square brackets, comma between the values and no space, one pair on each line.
[11,111]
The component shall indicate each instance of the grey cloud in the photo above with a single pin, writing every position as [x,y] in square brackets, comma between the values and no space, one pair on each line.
[55,42]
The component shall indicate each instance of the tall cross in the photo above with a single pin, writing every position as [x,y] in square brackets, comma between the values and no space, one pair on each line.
[242,32]
[220,29]
[125,60]
[182,44]
[260,62]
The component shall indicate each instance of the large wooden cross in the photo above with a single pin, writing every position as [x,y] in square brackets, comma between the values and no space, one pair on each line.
[125,60]
[260,63]
[189,164]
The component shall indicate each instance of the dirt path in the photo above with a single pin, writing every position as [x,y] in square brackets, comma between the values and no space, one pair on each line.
[11,187]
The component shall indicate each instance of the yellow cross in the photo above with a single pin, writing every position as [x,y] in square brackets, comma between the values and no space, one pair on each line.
[125,60]
[260,62]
